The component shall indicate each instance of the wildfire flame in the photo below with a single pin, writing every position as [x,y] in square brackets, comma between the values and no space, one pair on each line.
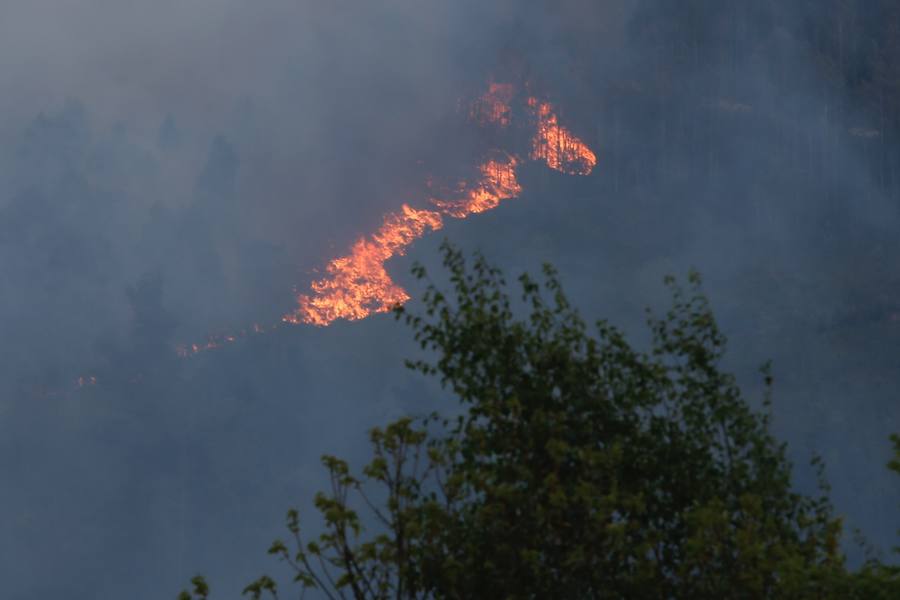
[493,106]
[556,146]
[498,182]
[357,285]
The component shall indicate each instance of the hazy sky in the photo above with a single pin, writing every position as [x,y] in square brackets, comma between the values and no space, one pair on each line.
[174,168]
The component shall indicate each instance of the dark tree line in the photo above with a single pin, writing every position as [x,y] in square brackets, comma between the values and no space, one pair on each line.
[580,467]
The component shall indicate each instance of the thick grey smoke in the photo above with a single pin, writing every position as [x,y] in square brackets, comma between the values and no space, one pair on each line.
[171,169]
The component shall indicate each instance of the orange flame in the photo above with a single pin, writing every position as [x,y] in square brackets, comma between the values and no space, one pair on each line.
[358,284]
[493,106]
[556,145]
[498,182]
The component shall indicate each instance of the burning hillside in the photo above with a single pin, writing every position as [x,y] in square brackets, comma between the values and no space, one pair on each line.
[357,284]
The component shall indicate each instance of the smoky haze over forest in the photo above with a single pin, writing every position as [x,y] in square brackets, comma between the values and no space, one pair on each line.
[172,169]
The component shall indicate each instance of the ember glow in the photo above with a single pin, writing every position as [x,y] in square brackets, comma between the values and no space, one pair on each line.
[493,106]
[86,380]
[357,285]
[555,145]
[218,340]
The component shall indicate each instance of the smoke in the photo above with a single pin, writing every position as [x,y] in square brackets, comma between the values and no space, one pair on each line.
[174,169]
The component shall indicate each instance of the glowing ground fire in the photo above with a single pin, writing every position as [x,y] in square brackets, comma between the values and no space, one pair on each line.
[357,285]
[497,182]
